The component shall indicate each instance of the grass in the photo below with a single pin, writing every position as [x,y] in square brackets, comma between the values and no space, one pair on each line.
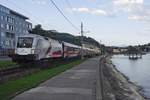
[6,64]
[11,88]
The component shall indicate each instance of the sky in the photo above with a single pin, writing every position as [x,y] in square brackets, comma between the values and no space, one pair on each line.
[113,22]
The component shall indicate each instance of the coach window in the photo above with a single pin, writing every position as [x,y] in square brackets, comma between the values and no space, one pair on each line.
[70,49]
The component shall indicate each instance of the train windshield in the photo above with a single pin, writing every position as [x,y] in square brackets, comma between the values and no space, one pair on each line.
[25,42]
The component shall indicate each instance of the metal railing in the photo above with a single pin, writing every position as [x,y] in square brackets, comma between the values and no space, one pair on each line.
[6,52]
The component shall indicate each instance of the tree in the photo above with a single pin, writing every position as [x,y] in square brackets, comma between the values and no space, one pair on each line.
[37,30]
[62,36]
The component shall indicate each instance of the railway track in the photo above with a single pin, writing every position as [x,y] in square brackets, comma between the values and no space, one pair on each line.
[27,68]
[9,71]
[14,72]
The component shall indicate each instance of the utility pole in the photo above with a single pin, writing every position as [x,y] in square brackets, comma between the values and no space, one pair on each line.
[101,48]
[82,56]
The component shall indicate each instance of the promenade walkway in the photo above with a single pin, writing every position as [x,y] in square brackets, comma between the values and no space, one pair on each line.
[78,83]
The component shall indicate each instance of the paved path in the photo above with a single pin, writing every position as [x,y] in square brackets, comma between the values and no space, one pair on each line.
[78,83]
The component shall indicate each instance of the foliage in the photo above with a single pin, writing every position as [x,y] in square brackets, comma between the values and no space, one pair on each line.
[63,36]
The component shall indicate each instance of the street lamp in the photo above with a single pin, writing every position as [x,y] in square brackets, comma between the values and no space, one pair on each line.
[82,32]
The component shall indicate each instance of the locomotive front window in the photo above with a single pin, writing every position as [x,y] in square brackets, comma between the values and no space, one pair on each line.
[25,42]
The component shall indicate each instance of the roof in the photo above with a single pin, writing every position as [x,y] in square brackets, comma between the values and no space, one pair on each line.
[71,45]
[15,13]
[18,14]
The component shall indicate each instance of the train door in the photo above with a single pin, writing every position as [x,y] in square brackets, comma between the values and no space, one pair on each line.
[63,50]
[38,50]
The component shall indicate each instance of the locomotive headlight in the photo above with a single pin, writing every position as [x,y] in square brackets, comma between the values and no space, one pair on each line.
[32,51]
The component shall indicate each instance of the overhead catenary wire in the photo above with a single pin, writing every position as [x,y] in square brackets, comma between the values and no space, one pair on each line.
[77,17]
[65,17]
[71,7]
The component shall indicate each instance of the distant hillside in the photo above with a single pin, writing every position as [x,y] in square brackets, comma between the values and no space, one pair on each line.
[63,36]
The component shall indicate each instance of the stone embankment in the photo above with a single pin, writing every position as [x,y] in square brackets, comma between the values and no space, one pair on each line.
[116,86]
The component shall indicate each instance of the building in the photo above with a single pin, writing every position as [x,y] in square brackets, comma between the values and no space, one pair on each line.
[116,50]
[12,24]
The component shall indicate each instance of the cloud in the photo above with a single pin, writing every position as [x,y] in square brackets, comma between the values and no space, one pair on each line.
[91,11]
[135,9]
[40,2]
[141,14]
[100,12]
[140,17]
[127,2]
[81,10]
[136,17]
[127,5]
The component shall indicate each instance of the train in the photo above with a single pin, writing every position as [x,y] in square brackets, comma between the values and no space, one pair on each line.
[32,47]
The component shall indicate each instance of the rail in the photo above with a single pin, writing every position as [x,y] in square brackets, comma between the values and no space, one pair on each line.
[27,68]
[13,72]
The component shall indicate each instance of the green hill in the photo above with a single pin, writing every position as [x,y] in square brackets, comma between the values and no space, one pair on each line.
[63,36]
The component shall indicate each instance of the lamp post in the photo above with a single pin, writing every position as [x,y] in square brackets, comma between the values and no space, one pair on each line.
[101,48]
[82,32]
[82,56]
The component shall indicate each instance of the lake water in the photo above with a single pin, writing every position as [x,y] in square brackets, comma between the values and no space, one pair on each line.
[138,71]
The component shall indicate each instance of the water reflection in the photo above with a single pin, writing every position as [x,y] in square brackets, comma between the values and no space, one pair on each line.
[137,70]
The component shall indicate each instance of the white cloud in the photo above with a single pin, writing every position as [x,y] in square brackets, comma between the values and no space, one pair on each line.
[100,12]
[91,11]
[128,5]
[135,9]
[141,14]
[136,17]
[81,9]
[127,2]
[139,17]
[40,2]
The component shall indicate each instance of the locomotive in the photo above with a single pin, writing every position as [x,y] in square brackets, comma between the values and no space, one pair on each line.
[32,47]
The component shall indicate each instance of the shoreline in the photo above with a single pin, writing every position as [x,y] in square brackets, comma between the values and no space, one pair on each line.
[120,86]
[139,88]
